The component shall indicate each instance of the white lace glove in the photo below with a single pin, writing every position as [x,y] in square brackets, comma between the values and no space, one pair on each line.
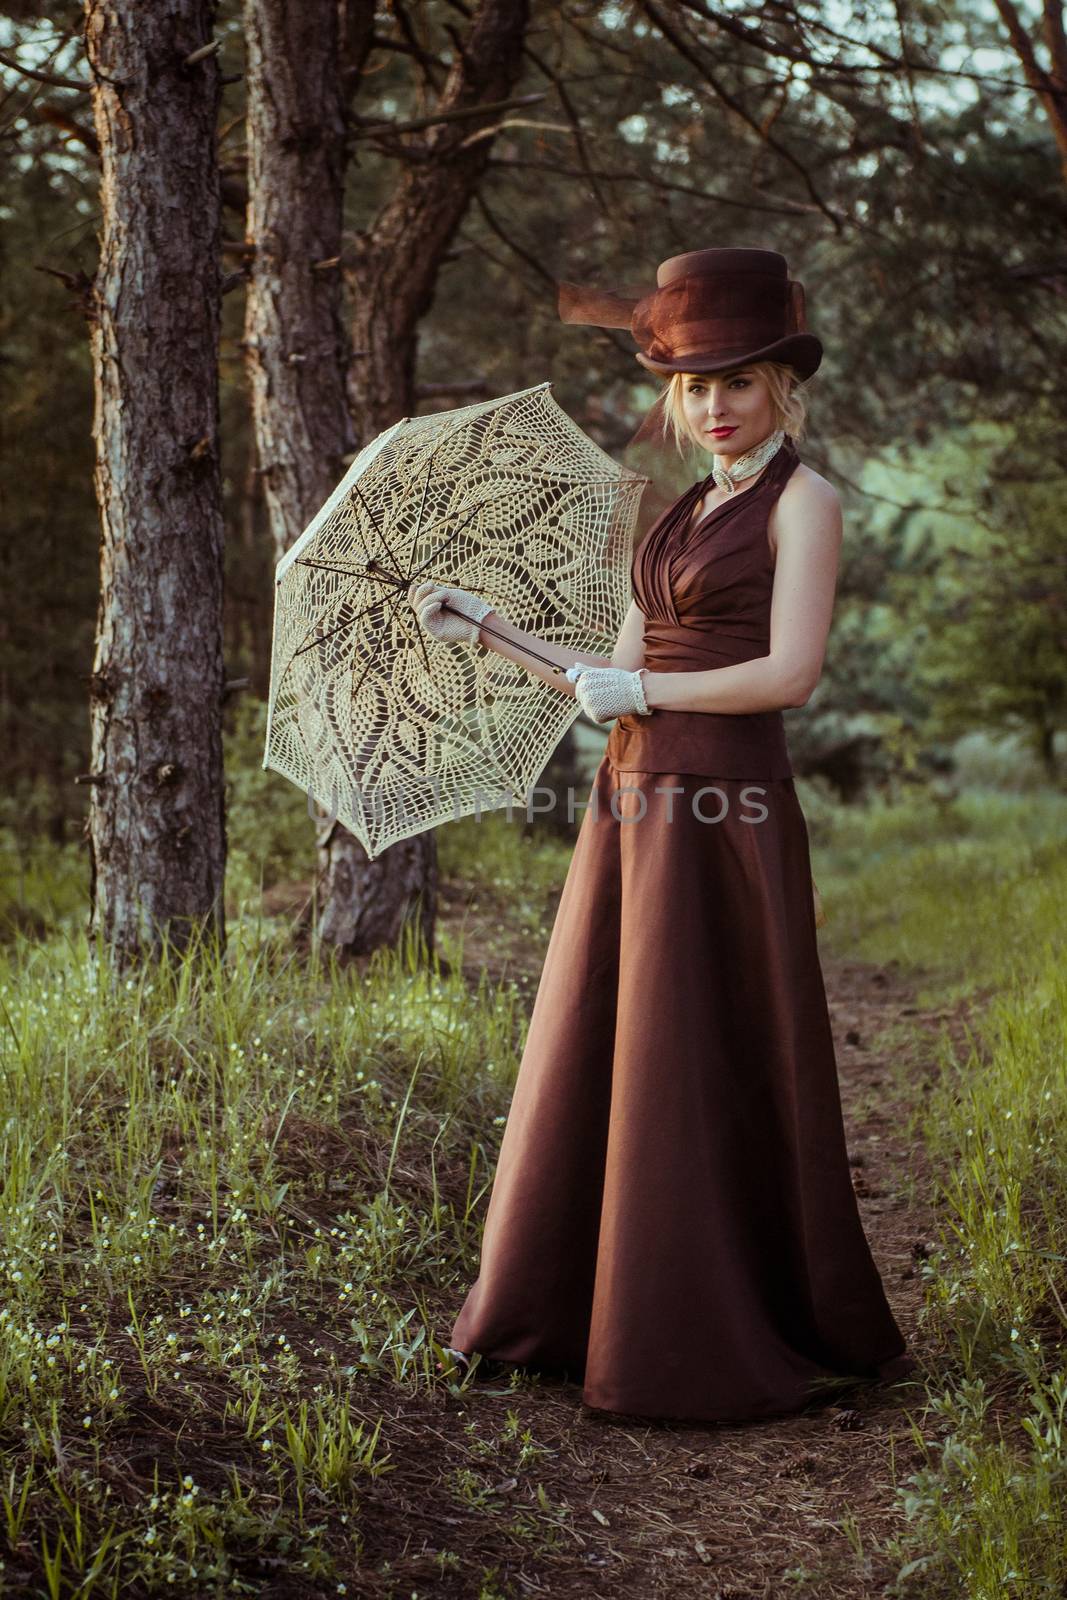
[429,597]
[606,692]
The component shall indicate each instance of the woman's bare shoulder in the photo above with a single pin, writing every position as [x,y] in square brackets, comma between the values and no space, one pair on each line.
[807,488]
[806,496]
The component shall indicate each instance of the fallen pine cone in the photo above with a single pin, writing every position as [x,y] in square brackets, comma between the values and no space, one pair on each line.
[848,1420]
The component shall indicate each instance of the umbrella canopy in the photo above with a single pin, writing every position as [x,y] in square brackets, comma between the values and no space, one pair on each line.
[394,732]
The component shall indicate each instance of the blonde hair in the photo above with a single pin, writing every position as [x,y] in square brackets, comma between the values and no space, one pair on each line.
[788,401]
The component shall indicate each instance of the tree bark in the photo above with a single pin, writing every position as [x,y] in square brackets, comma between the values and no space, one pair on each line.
[1050,87]
[396,261]
[391,279]
[300,63]
[294,338]
[157,828]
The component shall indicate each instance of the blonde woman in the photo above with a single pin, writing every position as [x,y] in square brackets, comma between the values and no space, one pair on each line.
[672,1222]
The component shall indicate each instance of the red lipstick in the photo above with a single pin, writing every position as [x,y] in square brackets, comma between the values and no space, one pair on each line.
[721,433]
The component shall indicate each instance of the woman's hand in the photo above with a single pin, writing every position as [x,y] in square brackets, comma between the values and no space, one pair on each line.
[607,692]
[459,622]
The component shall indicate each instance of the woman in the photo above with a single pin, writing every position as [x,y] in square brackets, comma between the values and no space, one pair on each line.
[672,1220]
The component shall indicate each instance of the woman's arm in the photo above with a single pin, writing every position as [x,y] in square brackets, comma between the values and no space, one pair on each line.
[514,637]
[629,651]
[809,532]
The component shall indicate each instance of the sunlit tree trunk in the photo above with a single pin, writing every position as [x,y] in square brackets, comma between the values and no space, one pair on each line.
[299,60]
[294,340]
[156,822]
[392,270]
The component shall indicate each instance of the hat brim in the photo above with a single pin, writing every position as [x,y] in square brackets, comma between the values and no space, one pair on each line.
[801,351]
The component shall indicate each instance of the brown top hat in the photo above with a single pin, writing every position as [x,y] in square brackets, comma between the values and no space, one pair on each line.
[710,309]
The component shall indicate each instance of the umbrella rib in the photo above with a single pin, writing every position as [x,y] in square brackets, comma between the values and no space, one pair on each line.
[406,582]
[529,477]
[382,577]
[344,572]
[382,599]
[418,530]
[484,626]
[456,530]
[422,647]
[379,531]
[395,597]
[425,491]
[304,561]
[481,507]
[357,687]
[385,599]
[400,600]
[398,583]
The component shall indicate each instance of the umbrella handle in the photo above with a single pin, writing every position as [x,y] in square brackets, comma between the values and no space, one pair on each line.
[387,577]
[556,668]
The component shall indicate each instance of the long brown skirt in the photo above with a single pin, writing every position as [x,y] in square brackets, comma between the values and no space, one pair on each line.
[672,1221]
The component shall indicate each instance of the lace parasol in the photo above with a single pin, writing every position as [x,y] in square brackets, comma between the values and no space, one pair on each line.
[394,732]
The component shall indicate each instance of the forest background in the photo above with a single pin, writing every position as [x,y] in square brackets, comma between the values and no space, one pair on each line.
[241,1187]
[911,163]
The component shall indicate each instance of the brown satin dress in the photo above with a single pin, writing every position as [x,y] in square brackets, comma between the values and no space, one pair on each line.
[672,1221]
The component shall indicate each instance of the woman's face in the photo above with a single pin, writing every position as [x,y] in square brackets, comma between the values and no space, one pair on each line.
[729,412]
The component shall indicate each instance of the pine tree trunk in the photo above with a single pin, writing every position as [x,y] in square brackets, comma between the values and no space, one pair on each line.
[156,821]
[294,337]
[391,280]
[297,352]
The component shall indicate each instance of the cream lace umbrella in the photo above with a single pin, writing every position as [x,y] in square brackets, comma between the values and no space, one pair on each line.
[388,729]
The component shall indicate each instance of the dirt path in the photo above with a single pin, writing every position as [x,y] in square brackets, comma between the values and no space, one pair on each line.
[726,1513]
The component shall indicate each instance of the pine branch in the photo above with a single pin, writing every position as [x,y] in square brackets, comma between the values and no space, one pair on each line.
[48,78]
[1049,90]
[377,130]
[572,115]
[786,207]
[682,45]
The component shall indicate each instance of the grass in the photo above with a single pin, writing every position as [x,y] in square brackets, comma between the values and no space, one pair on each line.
[974,893]
[240,1206]
[228,1183]
[960,889]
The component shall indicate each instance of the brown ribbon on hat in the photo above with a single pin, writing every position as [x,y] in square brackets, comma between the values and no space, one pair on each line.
[596,308]
[614,308]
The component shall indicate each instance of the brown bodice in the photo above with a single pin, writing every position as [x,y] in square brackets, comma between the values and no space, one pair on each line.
[706,598]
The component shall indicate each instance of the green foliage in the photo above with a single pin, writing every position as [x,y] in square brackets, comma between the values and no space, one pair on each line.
[240,1193]
[971,896]
[48,553]
[916,231]
[954,887]
[991,620]
[951,617]
[270,835]
[986,1508]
